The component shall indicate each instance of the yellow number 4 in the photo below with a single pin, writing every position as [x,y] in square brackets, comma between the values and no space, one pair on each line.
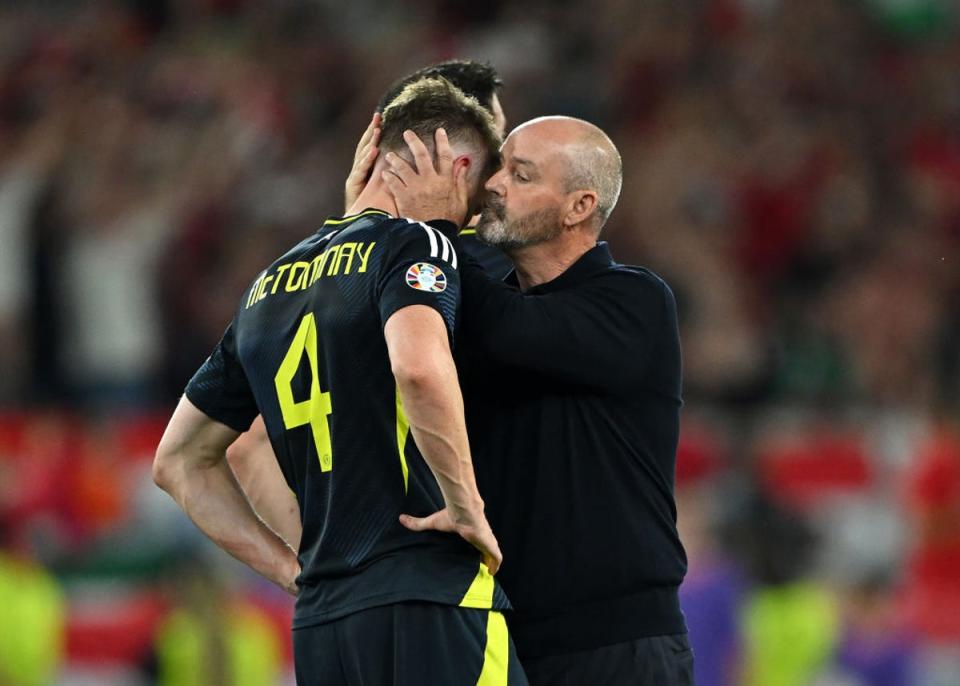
[315,410]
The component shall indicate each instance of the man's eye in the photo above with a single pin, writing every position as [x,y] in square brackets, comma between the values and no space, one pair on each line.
[520,177]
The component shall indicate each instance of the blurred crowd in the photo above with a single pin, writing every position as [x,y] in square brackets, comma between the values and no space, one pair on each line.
[792,169]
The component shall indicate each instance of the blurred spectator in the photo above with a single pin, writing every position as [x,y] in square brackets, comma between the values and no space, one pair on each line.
[932,593]
[33,617]
[790,624]
[933,580]
[212,639]
[713,590]
[876,648]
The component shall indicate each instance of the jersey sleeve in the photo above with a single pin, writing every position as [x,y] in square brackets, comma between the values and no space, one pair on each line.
[422,269]
[220,388]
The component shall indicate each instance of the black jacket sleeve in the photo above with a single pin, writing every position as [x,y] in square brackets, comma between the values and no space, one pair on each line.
[603,333]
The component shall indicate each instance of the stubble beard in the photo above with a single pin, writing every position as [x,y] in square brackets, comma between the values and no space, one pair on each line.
[531,229]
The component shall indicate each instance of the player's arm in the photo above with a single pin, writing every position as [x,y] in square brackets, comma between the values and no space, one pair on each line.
[191,466]
[255,465]
[418,295]
[426,376]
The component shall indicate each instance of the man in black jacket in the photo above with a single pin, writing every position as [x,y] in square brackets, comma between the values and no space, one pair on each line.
[571,375]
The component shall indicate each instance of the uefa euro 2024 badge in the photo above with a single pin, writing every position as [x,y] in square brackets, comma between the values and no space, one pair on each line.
[426,277]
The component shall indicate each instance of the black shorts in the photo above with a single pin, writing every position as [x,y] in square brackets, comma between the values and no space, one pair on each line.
[415,644]
[654,661]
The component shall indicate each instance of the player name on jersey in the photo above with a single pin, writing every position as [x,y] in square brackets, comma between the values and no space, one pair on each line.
[342,259]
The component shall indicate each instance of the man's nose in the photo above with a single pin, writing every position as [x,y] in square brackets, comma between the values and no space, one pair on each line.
[494,183]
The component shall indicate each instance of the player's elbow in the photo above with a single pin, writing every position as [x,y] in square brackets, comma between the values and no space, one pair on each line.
[414,372]
[164,466]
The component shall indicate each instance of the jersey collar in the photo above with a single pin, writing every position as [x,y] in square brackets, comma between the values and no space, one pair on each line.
[596,259]
[335,220]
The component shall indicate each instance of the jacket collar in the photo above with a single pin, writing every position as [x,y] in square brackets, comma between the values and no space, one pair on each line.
[596,259]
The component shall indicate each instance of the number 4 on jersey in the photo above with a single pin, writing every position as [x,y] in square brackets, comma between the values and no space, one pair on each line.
[315,410]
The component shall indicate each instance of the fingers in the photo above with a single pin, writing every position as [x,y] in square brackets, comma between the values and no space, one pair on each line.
[438,521]
[487,544]
[394,184]
[363,160]
[365,165]
[493,561]
[400,167]
[371,133]
[483,540]
[444,152]
[421,155]
[412,523]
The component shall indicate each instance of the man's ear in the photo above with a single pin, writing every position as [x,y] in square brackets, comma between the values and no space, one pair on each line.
[462,162]
[580,206]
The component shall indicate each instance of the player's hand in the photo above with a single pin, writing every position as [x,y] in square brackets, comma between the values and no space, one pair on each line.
[291,587]
[472,527]
[287,571]
[423,192]
[363,161]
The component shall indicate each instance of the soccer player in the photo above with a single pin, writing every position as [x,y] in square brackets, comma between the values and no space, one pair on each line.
[571,375]
[251,457]
[343,344]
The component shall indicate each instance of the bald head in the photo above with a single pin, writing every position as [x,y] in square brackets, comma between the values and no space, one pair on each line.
[590,159]
[558,183]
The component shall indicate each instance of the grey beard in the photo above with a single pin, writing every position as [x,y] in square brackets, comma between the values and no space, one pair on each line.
[533,229]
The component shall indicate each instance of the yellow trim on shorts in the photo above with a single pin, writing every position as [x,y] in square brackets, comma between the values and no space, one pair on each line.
[480,594]
[496,656]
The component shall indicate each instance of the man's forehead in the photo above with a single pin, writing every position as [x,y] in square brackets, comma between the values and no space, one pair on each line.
[525,144]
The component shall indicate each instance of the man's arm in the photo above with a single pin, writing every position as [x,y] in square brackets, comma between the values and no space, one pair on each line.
[364,158]
[255,465]
[426,377]
[602,334]
[191,466]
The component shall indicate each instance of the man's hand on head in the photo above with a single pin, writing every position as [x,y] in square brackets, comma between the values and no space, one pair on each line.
[364,158]
[423,192]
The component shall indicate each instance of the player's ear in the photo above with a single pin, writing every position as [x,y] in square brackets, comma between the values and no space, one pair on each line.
[462,162]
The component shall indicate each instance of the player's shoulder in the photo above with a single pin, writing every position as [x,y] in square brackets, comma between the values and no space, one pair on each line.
[432,239]
[390,229]
[403,228]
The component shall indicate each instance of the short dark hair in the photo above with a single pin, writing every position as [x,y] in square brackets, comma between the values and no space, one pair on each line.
[479,80]
[428,104]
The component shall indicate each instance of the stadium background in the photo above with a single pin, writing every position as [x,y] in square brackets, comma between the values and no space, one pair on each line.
[792,168]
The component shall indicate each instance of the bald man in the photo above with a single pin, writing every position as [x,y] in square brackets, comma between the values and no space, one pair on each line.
[571,378]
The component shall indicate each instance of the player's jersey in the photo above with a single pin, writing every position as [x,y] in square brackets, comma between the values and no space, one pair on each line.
[493,260]
[306,350]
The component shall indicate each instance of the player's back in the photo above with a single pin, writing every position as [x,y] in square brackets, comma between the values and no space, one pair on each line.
[308,336]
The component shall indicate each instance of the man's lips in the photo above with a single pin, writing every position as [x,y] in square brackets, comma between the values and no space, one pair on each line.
[495,208]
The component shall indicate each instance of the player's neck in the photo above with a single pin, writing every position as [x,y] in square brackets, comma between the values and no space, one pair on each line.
[538,264]
[374,196]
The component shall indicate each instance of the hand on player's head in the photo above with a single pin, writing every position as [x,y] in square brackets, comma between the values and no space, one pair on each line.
[364,159]
[426,189]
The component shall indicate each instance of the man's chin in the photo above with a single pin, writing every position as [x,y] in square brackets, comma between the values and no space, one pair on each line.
[489,229]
